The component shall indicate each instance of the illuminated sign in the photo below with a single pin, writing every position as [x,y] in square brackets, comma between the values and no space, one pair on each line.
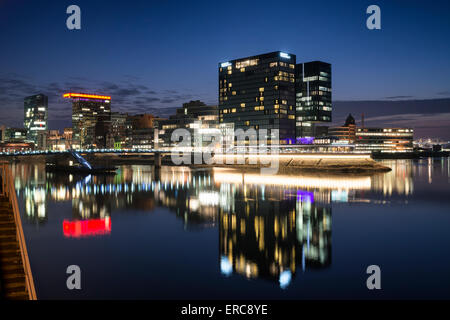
[85,228]
[305,140]
[285,55]
[83,95]
[225,64]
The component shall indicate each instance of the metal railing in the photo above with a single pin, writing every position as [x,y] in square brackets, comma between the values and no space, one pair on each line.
[8,189]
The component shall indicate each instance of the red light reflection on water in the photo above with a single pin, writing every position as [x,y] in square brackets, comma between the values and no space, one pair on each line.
[86,228]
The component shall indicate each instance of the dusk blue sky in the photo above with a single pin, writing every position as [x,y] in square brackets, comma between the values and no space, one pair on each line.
[154,55]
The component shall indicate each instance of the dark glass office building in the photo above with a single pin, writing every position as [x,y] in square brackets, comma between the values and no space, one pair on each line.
[259,92]
[313,96]
[91,119]
[35,116]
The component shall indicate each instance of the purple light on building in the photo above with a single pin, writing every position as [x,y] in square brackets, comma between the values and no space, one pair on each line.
[305,140]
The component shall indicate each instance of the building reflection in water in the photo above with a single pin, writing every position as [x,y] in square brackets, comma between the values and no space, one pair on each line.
[270,227]
[398,181]
[270,230]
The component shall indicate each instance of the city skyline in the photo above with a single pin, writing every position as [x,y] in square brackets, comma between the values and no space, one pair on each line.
[225,156]
[147,78]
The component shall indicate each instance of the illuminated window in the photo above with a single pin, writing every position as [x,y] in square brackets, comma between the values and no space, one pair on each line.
[246,63]
[261,89]
[314,78]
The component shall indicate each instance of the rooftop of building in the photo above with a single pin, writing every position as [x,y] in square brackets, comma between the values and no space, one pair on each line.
[280,54]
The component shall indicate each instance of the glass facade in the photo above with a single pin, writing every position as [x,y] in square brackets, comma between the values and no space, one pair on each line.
[91,120]
[35,116]
[258,92]
[194,115]
[390,140]
[313,96]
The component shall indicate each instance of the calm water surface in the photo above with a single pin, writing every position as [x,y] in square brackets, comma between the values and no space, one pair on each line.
[186,234]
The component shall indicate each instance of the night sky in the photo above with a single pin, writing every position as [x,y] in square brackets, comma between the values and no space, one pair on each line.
[151,56]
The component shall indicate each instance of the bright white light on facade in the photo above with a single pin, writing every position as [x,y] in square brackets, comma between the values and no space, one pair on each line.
[285,55]
[225,64]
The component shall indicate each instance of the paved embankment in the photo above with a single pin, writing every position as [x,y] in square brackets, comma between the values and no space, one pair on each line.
[12,276]
[305,163]
[16,280]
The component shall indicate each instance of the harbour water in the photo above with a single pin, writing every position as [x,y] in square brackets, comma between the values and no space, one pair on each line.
[222,234]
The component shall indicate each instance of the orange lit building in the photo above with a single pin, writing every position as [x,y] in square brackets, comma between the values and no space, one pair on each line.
[91,119]
[345,133]
[390,140]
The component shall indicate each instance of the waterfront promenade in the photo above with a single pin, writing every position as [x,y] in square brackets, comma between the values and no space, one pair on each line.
[16,280]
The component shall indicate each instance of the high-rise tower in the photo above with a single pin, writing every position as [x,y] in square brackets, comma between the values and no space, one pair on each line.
[91,119]
[35,115]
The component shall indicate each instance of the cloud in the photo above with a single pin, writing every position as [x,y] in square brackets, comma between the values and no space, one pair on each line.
[429,117]
[128,92]
[424,124]
[141,100]
[167,100]
[128,95]
[109,86]
[412,119]
[398,97]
